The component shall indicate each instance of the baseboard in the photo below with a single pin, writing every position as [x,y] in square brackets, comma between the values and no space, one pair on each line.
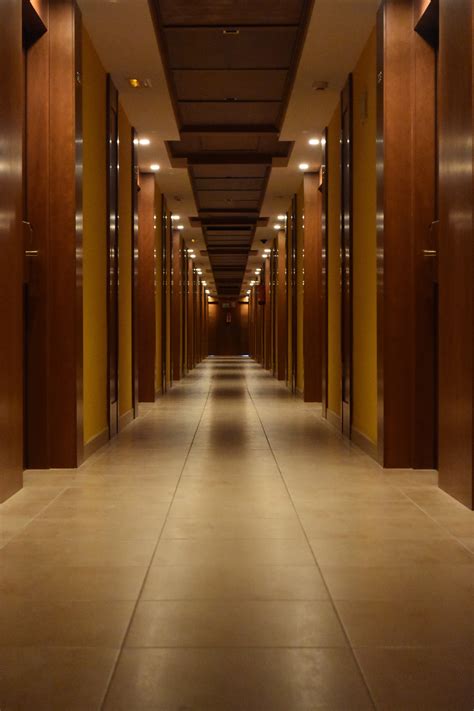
[96,443]
[334,419]
[365,444]
[125,420]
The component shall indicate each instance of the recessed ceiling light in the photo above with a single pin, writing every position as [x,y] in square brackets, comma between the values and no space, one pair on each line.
[314,141]
[257,271]
[193,256]
[282,218]
[265,256]
[190,251]
[303,166]
[180,227]
[144,141]
[175,217]
[277,227]
[204,283]
[268,251]
[207,291]
[154,167]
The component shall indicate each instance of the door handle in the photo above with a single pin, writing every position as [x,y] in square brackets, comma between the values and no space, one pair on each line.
[31,253]
[430,253]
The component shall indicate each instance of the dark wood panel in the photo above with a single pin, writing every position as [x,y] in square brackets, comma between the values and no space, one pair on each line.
[282,308]
[230,12]
[267,317]
[395,246]
[112,172]
[146,304]
[220,84]
[190,314]
[134,190]
[346,254]
[11,251]
[234,113]
[65,402]
[36,213]
[177,306]
[312,310]
[425,400]
[210,48]
[230,338]
[456,250]
[324,276]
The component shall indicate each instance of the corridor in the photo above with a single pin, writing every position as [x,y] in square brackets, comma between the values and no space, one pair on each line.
[229,550]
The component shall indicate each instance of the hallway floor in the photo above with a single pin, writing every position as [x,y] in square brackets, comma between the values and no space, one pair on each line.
[229,551]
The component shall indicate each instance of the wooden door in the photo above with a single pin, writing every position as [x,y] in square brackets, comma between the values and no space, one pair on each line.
[324,276]
[346,255]
[294,304]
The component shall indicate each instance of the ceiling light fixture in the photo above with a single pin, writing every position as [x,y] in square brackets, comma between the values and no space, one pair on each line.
[268,251]
[282,218]
[144,141]
[278,227]
[154,167]
[303,166]
[136,83]
[314,141]
[175,217]
[180,227]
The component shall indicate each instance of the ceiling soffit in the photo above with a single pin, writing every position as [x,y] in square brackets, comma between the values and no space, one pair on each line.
[230,68]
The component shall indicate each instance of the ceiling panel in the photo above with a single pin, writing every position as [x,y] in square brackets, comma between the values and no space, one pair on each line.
[230,12]
[238,84]
[210,48]
[231,64]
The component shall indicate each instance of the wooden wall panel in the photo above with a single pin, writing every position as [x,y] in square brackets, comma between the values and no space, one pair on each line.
[456,256]
[65,257]
[146,289]
[395,234]
[282,315]
[313,315]
[267,317]
[11,251]
[177,306]
[229,339]
[37,214]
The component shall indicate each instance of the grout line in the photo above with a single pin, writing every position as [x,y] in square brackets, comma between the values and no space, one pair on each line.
[142,587]
[331,600]
[40,513]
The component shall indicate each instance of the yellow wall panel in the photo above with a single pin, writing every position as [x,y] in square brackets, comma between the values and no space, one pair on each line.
[364,412]
[334,264]
[94,242]
[125,264]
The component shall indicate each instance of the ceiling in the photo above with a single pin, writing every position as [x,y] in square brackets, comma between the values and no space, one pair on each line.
[227,119]
[230,68]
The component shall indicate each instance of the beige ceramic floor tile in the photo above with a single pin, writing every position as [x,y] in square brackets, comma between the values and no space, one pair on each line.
[232,529]
[32,623]
[235,624]
[54,679]
[229,582]
[438,679]
[407,623]
[238,552]
[238,680]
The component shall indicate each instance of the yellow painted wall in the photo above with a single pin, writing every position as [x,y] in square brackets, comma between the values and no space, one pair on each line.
[300,288]
[158,284]
[364,245]
[94,242]
[334,264]
[125,263]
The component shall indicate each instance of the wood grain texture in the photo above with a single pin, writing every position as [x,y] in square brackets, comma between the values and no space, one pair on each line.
[146,331]
[456,347]
[37,214]
[65,257]
[11,251]
[312,312]
[177,306]
[395,274]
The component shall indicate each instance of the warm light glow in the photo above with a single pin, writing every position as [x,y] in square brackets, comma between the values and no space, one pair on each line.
[277,227]
[257,271]
[193,256]
[190,251]
[314,141]
[323,142]
[154,167]
[144,141]
[175,217]
[303,166]
[135,83]
[265,256]
[207,291]
[180,227]
[268,251]
[282,218]
[204,283]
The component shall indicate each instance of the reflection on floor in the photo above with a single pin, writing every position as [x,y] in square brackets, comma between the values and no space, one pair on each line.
[229,551]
